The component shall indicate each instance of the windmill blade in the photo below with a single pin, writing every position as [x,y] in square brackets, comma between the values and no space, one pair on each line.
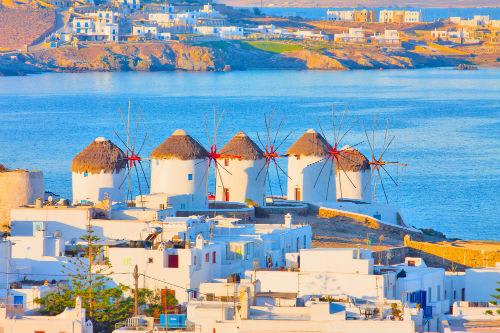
[349,178]
[369,143]
[267,123]
[333,124]
[345,133]
[357,144]
[388,174]
[269,181]
[373,132]
[218,125]
[144,175]
[266,165]
[283,141]
[329,178]
[205,123]
[260,141]
[142,144]
[321,171]
[279,178]
[139,185]
[383,187]
[138,119]
[340,126]
[340,185]
[319,161]
[218,173]
[284,172]
[126,177]
[321,128]
[277,132]
[387,147]
[122,141]
[220,165]
[385,135]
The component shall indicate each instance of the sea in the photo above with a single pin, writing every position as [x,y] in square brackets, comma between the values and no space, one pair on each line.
[445,123]
[428,14]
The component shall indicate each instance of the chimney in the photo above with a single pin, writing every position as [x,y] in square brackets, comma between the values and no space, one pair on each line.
[288,220]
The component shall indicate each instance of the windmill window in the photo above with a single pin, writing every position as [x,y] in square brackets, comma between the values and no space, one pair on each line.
[226,162]
[190,176]
[214,257]
[207,257]
[85,174]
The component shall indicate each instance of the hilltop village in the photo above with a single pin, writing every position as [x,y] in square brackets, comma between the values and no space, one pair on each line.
[233,257]
[133,35]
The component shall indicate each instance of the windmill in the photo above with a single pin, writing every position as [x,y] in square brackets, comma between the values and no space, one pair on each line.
[379,164]
[336,160]
[133,151]
[271,154]
[214,155]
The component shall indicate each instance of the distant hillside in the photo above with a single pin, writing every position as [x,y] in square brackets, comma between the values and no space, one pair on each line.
[362,3]
[23,25]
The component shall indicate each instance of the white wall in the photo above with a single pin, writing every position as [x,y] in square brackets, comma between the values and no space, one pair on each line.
[242,180]
[481,283]
[171,176]
[304,177]
[93,187]
[362,189]
[336,261]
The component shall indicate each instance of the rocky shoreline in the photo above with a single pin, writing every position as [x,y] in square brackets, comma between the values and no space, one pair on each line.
[218,56]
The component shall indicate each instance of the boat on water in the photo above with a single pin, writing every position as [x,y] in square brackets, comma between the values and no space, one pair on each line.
[466,67]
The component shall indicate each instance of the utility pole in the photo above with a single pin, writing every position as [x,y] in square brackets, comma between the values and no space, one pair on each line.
[89,273]
[136,291]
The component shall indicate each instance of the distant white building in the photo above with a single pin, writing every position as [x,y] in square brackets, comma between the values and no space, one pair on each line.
[145,30]
[223,32]
[399,16]
[340,15]
[312,35]
[131,4]
[389,37]
[101,25]
[354,35]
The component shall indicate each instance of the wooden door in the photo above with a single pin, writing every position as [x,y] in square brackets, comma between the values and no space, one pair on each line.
[297,194]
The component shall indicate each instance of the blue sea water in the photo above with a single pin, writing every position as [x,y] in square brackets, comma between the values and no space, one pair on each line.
[428,14]
[446,123]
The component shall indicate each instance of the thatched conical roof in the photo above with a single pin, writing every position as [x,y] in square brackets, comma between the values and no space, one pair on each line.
[351,159]
[3,168]
[100,155]
[179,146]
[311,143]
[242,146]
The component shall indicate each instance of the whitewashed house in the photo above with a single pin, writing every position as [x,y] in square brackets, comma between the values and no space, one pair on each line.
[71,320]
[145,30]
[179,168]
[239,177]
[99,172]
[354,35]
[340,15]
[389,37]
[481,283]
[309,180]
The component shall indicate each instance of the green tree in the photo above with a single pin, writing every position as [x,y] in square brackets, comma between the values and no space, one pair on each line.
[88,273]
[497,297]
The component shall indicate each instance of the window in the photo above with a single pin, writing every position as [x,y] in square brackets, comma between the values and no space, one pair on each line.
[173,261]
[85,174]
[214,257]
[305,241]
[190,176]
[226,162]
[438,293]
[207,257]
[429,292]
[194,261]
